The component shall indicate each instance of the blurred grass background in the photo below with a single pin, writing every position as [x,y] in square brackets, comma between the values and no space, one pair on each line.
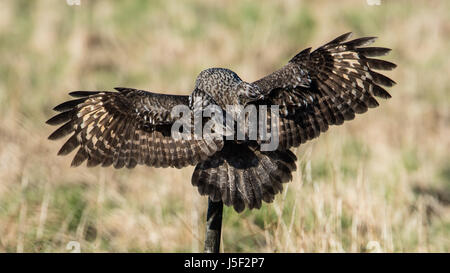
[379,183]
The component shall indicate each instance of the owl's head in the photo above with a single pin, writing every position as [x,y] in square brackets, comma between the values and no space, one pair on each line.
[224,85]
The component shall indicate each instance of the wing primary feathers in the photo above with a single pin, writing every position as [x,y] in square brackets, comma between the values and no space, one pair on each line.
[68,105]
[379,64]
[62,131]
[381,79]
[338,80]
[373,51]
[360,42]
[339,39]
[60,118]
[82,94]
[380,92]
[79,158]
[70,145]
[108,128]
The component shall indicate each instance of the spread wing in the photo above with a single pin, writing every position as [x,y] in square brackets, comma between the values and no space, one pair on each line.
[127,128]
[325,87]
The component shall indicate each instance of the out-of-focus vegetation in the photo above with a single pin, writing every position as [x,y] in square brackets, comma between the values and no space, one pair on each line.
[379,183]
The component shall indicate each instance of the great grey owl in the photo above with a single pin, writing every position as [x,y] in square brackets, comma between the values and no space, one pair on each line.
[313,91]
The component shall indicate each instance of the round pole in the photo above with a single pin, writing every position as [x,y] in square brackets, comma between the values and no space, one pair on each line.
[213,226]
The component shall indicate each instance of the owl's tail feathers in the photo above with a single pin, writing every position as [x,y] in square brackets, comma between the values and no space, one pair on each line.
[242,176]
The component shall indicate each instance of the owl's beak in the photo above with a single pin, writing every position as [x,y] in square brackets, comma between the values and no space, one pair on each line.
[257,97]
[250,93]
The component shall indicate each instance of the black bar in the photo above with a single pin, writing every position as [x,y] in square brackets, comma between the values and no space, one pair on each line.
[227,262]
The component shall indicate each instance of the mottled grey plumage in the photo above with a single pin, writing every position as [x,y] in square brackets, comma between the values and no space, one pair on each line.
[222,87]
[314,90]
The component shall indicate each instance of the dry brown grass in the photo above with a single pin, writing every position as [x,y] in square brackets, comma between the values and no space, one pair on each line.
[379,183]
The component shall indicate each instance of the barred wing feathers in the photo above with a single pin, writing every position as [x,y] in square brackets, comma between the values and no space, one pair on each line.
[126,128]
[326,87]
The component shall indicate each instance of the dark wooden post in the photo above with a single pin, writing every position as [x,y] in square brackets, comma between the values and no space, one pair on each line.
[213,226]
